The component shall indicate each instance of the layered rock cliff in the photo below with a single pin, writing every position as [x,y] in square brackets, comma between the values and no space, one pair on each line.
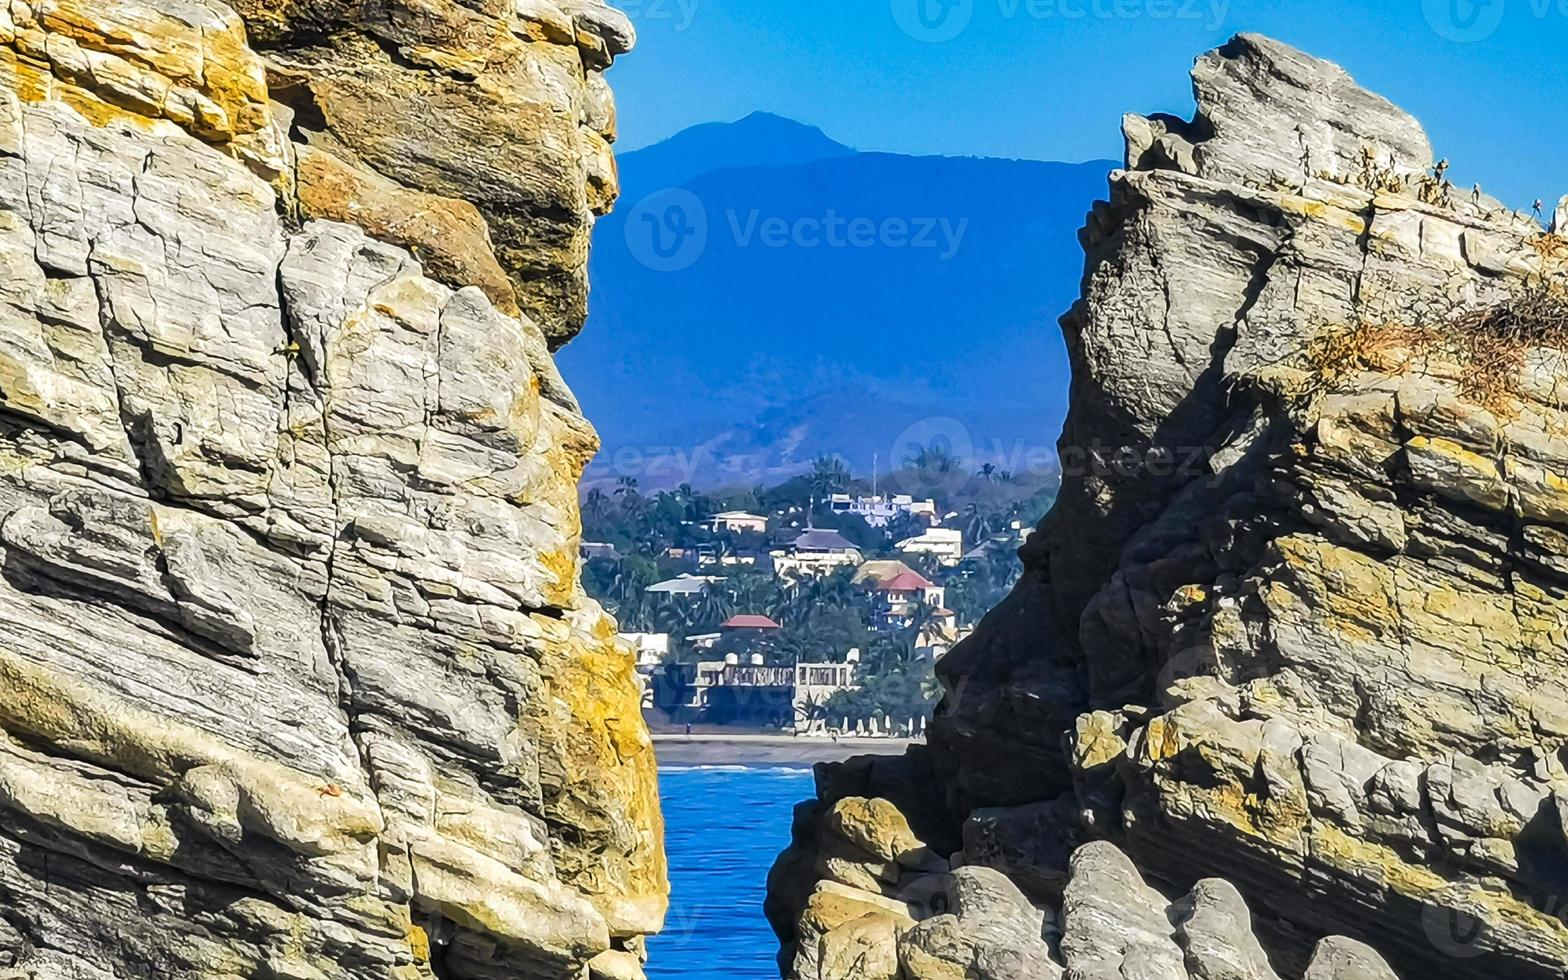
[296,676]
[1298,618]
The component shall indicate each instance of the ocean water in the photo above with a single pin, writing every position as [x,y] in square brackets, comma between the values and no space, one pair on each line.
[723,827]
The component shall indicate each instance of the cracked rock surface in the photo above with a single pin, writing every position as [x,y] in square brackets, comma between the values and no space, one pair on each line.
[1291,642]
[296,676]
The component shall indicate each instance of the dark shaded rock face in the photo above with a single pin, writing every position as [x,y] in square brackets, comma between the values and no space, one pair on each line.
[1297,620]
[297,679]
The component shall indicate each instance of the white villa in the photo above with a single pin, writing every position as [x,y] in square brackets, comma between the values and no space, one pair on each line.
[815,552]
[880,510]
[945,544]
[738,521]
[686,586]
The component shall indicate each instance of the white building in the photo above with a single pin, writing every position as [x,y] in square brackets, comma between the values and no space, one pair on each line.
[598,551]
[684,586]
[814,685]
[815,552]
[945,544]
[651,648]
[880,510]
[738,521]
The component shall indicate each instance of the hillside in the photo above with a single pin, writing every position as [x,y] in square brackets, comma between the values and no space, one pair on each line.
[824,347]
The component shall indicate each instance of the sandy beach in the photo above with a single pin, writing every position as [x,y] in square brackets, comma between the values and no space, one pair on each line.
[676,749]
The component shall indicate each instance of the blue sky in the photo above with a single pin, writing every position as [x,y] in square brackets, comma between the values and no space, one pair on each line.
[1049,79]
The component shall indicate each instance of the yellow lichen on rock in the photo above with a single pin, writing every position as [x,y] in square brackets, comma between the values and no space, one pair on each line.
[130,61]
[610,775]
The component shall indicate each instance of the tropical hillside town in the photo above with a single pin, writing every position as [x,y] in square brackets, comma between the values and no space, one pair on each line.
[819,606]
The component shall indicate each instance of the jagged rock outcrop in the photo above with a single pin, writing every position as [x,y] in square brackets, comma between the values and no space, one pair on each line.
[296,676]
[1297,619]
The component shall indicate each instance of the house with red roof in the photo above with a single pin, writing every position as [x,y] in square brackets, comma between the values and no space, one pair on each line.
[910,586]
[900,591]
[749,621]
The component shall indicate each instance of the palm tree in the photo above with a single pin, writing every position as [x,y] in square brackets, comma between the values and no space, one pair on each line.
[979,525]
[921,619]
[672,616]
[713,608]
[829,475]
[596,507]
[935,458]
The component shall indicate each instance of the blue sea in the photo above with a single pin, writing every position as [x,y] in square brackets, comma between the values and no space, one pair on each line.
[723,827]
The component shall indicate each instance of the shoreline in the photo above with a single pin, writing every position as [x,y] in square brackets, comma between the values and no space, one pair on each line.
[755,751]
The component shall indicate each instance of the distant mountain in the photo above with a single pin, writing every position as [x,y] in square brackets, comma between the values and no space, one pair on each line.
[764,294]
[759,140]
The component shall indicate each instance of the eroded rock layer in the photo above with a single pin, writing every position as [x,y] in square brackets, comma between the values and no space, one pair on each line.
[296,676]
[1298,618]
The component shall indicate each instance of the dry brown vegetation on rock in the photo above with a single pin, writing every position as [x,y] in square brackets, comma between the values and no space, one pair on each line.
[1489,344]
[1493,341]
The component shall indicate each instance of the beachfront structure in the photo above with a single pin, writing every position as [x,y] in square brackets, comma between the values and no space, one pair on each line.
[946,545]
[731,692]
[815,684]
[728,692]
